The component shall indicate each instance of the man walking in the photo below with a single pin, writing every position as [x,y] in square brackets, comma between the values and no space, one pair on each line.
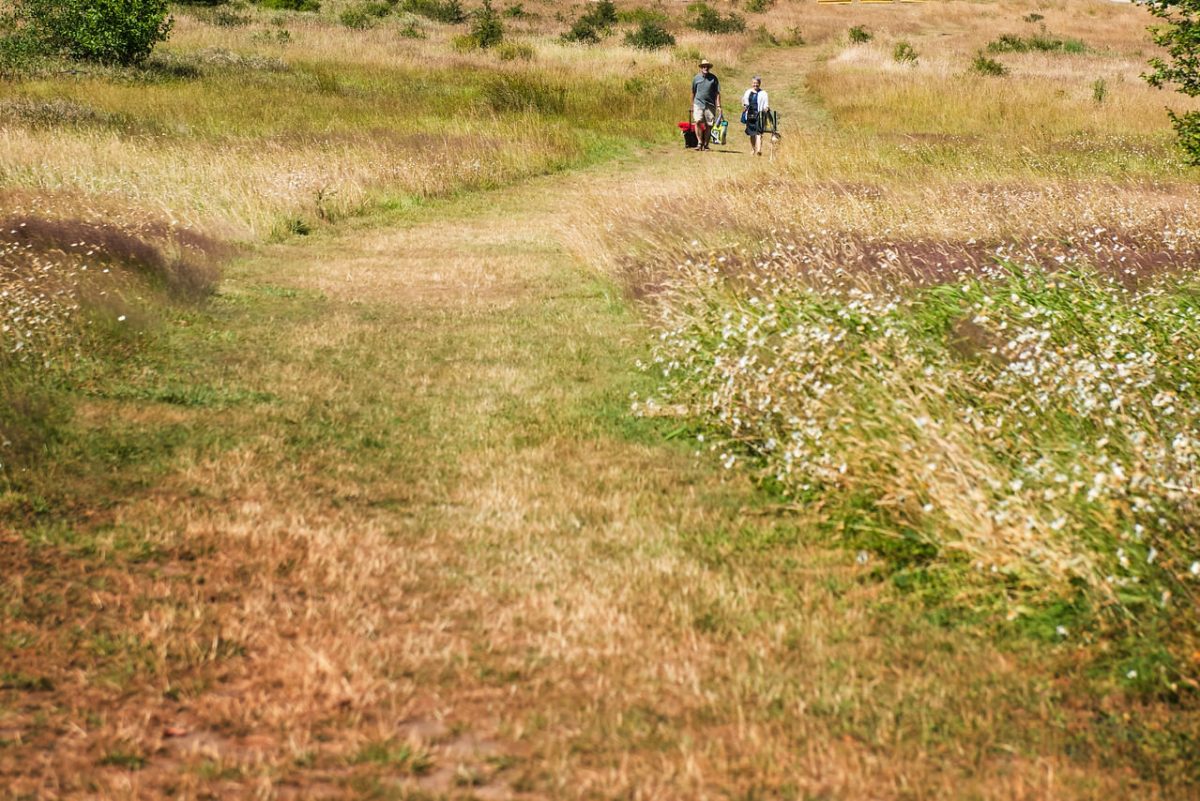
[706,103]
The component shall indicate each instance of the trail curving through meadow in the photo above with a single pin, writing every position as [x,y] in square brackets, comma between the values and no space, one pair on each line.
[446,561]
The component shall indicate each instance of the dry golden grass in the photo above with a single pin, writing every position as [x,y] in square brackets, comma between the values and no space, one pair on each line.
[430,555]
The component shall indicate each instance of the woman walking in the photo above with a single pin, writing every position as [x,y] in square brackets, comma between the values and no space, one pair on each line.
[754,105]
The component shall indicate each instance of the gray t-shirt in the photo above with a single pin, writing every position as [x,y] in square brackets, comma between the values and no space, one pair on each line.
[705,89]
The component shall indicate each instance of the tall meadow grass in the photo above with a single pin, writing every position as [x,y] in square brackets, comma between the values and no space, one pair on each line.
[957,315]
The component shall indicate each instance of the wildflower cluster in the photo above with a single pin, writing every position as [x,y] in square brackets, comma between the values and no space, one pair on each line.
[39,298]
[1033,408]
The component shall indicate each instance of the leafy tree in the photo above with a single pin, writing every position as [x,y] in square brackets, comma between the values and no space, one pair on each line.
[1181,67]
[105,31]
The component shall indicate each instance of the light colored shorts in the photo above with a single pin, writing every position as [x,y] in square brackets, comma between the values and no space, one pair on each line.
[701,113]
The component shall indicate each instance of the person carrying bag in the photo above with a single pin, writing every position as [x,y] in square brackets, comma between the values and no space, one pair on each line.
[755,108]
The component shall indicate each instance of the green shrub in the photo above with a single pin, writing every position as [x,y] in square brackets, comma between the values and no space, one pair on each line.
[603,14]
[412,31]
[1099,90]
[486,28]
[765,38]
[793,38]
[291,5]
[707,19]
[593,25]
[364,15]
[860,35]
[983,65]
[583,32]
[904,53]
[650,36]
[356,17]
[105,31]
[1039,42]
[447,11]
[758,6]
[516,11]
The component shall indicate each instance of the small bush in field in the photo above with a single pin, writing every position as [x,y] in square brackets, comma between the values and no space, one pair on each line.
[105,31]
[486,28]
[363,16]
[758,6]
[860,35]
[593,25]
[707,19]
[291,5]
[793,38]
[650,36]
[411,31]
[583,32]
[1039,42]
[983,65]
[448,11]
[765,38]
[1099,90]
[904,53]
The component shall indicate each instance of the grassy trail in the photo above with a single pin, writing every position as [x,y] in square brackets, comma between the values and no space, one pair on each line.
[413,545]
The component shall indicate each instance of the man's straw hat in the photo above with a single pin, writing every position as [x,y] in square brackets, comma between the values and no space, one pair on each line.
[704,62]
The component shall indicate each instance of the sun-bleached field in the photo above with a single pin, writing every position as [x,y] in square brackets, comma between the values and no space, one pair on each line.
[390,418]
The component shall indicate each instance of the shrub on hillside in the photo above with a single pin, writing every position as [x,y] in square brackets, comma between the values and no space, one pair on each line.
[1039,42]
[904,53]
[1181,66]
[583,32]
[860,35]
[759,6]
[105,31]
[291,5]
[650,36]
[707,19]
[365,15]
[593,25]
[983,65]
[448,11]
[486,29]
